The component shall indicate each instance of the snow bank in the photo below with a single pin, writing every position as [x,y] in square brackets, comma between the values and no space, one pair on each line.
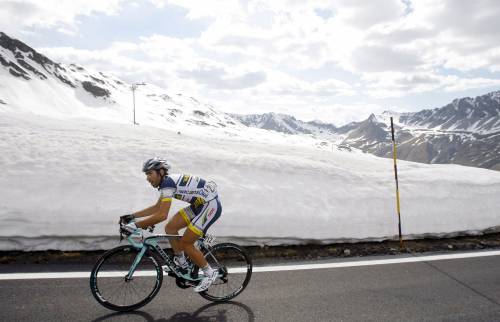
[63,178]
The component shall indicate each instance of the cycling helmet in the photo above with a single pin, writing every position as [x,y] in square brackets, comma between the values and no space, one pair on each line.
[155,163]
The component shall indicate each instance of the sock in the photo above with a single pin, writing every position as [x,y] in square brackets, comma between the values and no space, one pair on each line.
[207,270]
[181,258]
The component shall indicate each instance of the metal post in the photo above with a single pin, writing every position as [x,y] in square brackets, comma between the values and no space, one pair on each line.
[133,97]
[397,185]
[133,88]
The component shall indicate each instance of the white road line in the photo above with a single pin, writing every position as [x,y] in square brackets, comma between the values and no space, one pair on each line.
[15,276]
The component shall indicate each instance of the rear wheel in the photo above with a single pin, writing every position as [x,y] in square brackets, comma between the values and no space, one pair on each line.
[110,287]
[235,270]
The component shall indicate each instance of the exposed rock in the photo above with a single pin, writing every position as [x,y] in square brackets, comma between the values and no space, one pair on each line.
[97,80]
[95,90]
[13,45]
[65,80]
[17,74]
[199,113]
[174,111]
[199,122]
[27,66]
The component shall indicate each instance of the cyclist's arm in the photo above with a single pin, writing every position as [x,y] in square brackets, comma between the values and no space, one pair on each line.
[158,216]
[148,211]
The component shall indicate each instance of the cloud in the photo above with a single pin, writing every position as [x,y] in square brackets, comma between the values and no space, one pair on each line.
[219,78]
[272,54]
[396,84]
[202,9]
[368,59]
[59,15]
[321,90]
[365,14]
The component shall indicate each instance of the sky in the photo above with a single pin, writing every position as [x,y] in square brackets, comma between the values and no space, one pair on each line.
[335,61]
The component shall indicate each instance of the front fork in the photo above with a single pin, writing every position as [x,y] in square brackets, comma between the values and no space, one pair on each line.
[137,259]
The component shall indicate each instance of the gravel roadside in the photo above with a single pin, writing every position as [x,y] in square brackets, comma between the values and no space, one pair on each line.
[282,253]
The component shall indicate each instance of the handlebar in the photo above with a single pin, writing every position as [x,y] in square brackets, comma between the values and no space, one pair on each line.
[123,221]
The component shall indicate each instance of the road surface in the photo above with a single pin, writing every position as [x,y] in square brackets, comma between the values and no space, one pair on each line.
[459,289]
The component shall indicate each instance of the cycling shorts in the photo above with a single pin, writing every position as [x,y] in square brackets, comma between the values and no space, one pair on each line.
[200,218]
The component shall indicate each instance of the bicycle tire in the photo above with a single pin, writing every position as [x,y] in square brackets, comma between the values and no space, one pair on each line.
[231,260]
[119,258]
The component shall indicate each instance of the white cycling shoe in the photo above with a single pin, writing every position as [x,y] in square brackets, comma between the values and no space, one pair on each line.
[207,281]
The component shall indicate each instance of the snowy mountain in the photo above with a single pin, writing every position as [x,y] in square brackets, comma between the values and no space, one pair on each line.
[480,115]
[31,82]
[34,83]
[466,132]
[286,124]
[67,132]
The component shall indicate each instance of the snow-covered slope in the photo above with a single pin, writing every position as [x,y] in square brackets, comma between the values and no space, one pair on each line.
[64,184]
[32,82]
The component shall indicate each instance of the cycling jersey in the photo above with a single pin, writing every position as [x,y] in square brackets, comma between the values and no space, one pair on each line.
[191,189]
[205,207]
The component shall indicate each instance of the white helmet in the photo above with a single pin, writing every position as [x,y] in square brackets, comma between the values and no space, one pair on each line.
[155,163]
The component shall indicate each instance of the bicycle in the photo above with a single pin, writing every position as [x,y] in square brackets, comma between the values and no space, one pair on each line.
[128,277]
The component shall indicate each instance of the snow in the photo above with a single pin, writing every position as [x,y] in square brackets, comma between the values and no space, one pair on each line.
[385,117]
[65,182]
[71,165]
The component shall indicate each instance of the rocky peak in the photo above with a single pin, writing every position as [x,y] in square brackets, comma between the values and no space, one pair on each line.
[372,118]
[480,114]
[15,46]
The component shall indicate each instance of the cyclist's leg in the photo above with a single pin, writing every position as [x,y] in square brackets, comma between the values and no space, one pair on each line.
[187,244]
[197,227]
[173,226]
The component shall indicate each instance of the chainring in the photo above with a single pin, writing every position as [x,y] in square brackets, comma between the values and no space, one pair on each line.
[181,283]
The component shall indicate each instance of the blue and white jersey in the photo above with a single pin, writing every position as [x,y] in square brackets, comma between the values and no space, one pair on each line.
[191,189]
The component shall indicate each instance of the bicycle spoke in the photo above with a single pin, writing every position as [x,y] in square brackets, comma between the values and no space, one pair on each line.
[226,257]
[115,292]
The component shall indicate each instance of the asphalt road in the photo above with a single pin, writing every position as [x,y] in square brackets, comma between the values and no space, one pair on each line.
[444,290]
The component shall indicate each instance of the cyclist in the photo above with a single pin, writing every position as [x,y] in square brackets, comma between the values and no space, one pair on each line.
[204,209]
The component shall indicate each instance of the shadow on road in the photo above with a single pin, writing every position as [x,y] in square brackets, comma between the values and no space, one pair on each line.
[220,312]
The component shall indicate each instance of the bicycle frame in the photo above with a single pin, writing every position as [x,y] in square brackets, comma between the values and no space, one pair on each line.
[152,242]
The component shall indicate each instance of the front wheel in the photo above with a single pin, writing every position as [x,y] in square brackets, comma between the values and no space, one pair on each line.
[110,287]
[235,270]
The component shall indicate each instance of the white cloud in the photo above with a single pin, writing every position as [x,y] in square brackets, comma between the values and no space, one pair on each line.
[367,59]
[252,52]
[60,15]
[396,84]
[206,8]
[219,78]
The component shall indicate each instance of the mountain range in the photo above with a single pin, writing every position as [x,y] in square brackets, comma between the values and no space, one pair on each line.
[465,131]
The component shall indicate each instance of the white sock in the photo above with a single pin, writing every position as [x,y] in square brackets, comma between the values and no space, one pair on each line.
[207,270]
[181,258]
